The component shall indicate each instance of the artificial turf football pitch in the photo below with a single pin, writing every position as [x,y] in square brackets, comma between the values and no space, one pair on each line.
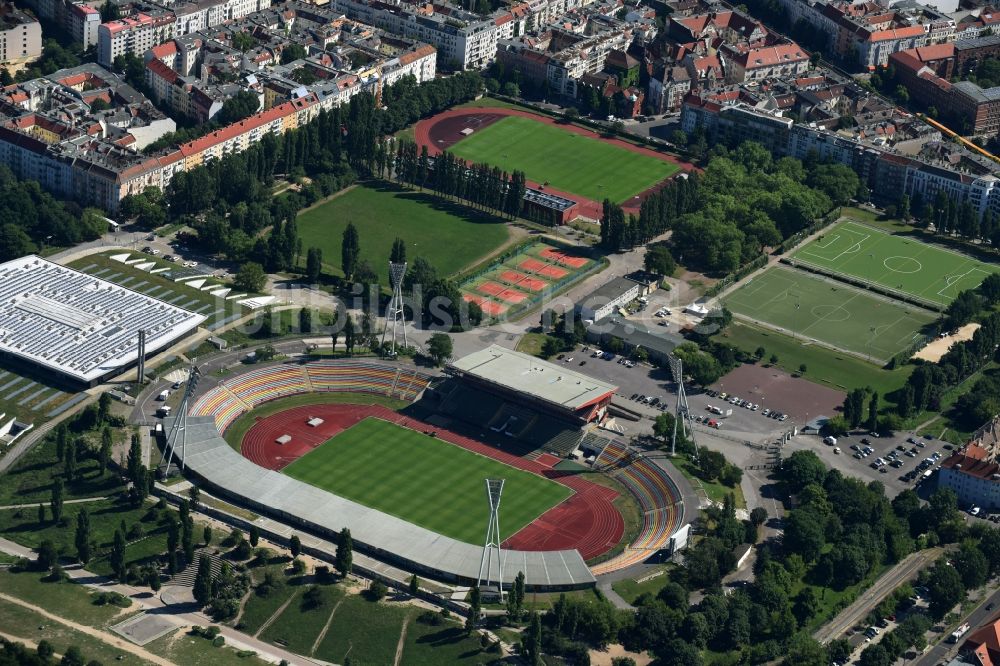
[424,480]
[897,263]
[567,161]
[829,312]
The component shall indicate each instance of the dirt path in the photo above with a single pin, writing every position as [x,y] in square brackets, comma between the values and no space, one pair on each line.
[117,643]
[326,628]
[274,617]
[401,643]
[26,642]
[425,130]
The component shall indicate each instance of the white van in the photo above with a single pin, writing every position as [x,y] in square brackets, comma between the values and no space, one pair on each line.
[829,440]
[164,394]
[163,411]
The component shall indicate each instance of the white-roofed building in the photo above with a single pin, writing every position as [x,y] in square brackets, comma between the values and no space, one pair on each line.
[77,327]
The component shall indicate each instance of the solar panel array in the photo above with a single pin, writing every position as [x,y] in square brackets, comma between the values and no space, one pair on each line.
[77,324]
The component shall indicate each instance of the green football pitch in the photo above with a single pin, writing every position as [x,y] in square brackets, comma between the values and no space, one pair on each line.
[424,480]
[382,212]
[829,312]
[896,263]
[567,161]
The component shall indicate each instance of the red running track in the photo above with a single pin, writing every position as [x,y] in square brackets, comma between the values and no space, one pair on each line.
[586,521]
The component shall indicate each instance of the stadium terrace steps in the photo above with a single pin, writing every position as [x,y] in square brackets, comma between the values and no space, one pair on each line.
[658,497]
[240,394]
[555,437]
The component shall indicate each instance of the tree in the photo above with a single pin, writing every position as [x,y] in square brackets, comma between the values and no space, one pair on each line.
[206,535]
[344,557]
[106,443]
[254,537]
[515,599]
[659,260]
[117,555]
[72,657]
[56,503]
[72,450]
[313,598]
[350,251]
[873,413]
[414,585]
[314,264]
[250,277]
[203,581]
[945,589]
[292,52]
[82,537]
[802,368]
[758,516]
[48,557]
[398,253]
[294,545]
[41,513]
[440,348]
[972,566]
[475,609]
[62,434]
[531,644]
[802,468]
[349,334]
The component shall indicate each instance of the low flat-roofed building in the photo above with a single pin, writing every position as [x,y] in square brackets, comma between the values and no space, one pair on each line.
[78,328]
[506,371]
[658,344]
[610,296]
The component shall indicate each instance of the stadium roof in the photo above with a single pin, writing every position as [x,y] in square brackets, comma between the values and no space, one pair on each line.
[78,325]
[549,382]
[209,456]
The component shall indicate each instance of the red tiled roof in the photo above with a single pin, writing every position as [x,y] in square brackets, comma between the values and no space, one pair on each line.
[770,56]
[897,33]
[934,52]
[236,129]
[160,69]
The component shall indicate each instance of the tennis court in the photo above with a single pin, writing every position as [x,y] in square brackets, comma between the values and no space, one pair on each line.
[830,312]
[895,263]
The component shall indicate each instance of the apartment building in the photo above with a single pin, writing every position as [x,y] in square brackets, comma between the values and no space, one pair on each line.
[78,19]
[20,38]
[141,31]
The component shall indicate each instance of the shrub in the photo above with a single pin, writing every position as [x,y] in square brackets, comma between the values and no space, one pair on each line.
[377,590]
[218,641]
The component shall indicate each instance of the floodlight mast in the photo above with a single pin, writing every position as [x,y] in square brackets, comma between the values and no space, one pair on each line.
[681,409]
[494,488]
[394,315]
[179,427]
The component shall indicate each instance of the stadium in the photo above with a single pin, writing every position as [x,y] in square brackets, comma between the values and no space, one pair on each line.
[399,456]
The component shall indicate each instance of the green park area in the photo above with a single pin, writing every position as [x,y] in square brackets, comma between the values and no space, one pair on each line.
[896,263]
[565,160]
[423,480]
[830,312]
[449,236]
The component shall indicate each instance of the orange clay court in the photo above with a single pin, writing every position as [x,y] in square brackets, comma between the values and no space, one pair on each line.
[505,294]
[563,258]
[541,268]
[523,280]
[489,308]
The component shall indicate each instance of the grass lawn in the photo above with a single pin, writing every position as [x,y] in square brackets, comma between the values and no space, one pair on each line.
[427,645]
[30,480]
[652,581]
[549,154]
[73,601]
[181,647]
[531,343]
[899,263]
[105,518]
[715,490]
[144,551]
[825,366]
[448,235]
[24,623]
[159,285]
[830,312]
[239,428]
[298,626]
[258,609]
[423,480]
[367,631]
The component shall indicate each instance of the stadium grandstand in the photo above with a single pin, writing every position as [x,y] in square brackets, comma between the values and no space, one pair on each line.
[210,458]
[659,499]
[76,328]
[226,401]
[560,390]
